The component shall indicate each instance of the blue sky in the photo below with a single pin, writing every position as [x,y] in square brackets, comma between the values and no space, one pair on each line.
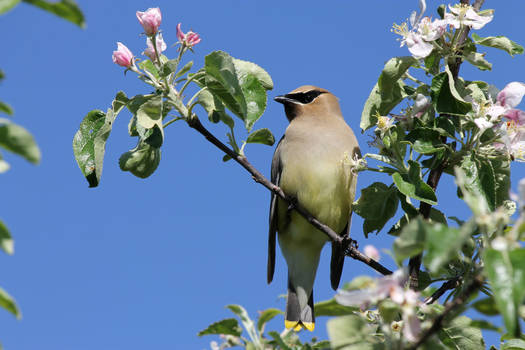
[138,263]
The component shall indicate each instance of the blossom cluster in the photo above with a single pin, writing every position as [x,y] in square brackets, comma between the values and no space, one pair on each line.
[392,287]
[155,45]
[421,39]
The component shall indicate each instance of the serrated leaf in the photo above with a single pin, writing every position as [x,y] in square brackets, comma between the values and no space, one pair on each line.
[388,91]
[265,317]
[255,97]
[424,140]
[499,42]
[479,182]
[413,186]
[18,140]
[506,274]
[377,204]
[246,68]
[8,303]
[245,320]
[478,60]
[263,136]
[445,97]
[278,340]
[459,334]
[6,241]
[7,5]
[228,326]
[184,70]
[513,344]
[5,108]
[66,9]
[222,81]
[89,143]
[150,67]
[333,308]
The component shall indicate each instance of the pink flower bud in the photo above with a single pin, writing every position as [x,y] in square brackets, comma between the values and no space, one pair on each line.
[189,39]
[150,20]
[123,56]
[150,50]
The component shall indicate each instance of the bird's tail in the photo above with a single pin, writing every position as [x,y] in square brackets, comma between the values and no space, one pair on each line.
[299,309]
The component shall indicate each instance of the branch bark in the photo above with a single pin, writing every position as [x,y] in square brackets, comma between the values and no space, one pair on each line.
[345,242]
[435,174]
[450,284]
[449,308]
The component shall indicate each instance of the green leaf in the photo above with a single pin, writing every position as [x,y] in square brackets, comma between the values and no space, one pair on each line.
[222,81]
[411,241]
[506,273]
[388,91]
[479,182]
[141,161]
[413,186]
[279,341]
[502,178]
[478,60]
[246,68]
[89,143]
[149,114]
[486,306]
[377,204]
[18,140]
[255,97]
[499,42]
[184,70]
[150,67]
[227,326]
[438,254]
[263,136]
[333,308]
[351,333]
[266,316]
[66,9]
[459,334]
[215,109]
[7,302]
[445,97]
[5,108]
[7,5]
[424,140]
[246,320]
[6,241]
[389,311]
[483,324]
[513,344]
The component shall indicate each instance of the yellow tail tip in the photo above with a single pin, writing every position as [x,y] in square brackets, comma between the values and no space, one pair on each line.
[298,325]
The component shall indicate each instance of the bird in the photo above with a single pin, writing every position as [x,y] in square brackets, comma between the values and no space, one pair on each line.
[310,164]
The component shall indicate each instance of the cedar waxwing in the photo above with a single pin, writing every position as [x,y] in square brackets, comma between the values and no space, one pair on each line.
[311,165]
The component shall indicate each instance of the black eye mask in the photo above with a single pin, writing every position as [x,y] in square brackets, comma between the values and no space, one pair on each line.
[304,97]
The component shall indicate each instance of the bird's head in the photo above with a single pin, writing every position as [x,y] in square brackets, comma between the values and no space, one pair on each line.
[309,100]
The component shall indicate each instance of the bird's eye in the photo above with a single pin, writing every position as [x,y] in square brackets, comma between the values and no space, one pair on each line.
[305,97]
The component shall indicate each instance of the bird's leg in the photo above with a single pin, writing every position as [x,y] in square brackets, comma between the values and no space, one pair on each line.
[349,245]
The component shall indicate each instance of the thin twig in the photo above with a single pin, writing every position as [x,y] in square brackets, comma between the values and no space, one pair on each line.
[449,308]
[345,242]
[450,284]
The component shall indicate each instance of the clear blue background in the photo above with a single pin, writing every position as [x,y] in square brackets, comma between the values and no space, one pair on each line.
[146,264]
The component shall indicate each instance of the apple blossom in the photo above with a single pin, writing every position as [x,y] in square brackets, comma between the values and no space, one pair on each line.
[511,95]
[123,56]
[150,20]
[421,104]
[189,39]
[150,50]
[418,40]
[384,123]
[465,15]
[372,252]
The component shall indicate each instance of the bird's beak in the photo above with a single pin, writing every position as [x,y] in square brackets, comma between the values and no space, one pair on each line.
[283,99]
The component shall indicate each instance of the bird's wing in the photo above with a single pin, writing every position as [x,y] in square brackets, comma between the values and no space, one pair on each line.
[272,232]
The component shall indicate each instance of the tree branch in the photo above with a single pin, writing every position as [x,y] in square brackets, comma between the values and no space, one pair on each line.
[450,284]
[346,243]
[435,174]
[449,308]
